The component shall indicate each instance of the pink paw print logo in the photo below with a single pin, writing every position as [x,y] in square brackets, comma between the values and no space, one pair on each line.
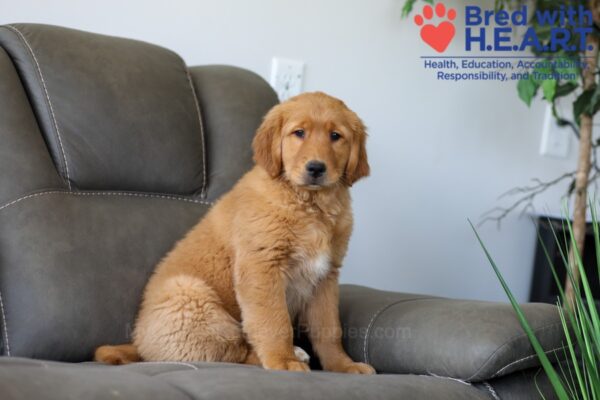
[440,36]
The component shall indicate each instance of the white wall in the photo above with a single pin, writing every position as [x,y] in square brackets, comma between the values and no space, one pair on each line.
[440,152]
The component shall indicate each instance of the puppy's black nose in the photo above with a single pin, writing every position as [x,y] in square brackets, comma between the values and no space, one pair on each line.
[316,169]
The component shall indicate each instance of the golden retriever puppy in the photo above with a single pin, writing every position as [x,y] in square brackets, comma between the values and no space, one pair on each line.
[266,255]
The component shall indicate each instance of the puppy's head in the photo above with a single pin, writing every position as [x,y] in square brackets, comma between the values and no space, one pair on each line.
[313,141]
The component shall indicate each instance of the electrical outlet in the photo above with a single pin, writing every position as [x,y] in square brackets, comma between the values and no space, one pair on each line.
[286,77]
[555,139]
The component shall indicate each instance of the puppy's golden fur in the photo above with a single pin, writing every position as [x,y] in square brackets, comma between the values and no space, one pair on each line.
[267,254]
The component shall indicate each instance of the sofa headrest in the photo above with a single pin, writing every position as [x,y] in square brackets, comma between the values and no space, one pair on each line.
[116,114]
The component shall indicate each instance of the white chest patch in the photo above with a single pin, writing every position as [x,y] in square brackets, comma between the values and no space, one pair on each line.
[305,275]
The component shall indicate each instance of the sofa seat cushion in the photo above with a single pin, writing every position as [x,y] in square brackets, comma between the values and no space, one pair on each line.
[24,378]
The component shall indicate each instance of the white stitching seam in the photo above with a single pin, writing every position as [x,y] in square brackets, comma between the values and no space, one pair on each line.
[374,317]
[365,344]
[448,377]
[491,390]
[43,82]
[197,103]
[503,346]
[524,359]
[126,194]
[5,328]
[170,362]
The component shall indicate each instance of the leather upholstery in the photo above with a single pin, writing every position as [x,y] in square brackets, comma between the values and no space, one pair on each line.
[213,381]
[117,114]
[520,385]
[226,92]
[467,340]
[25,164]
[81,261]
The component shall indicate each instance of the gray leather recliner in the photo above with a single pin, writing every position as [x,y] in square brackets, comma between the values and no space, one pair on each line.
[110,150]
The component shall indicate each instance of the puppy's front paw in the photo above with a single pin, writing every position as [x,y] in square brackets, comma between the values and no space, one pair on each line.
[286,364]
[355,368]
[301,354]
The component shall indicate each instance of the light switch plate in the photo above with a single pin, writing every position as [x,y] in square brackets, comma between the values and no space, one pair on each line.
[286,77]
[555,139]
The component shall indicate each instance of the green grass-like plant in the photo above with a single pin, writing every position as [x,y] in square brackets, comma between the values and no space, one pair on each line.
[580,379]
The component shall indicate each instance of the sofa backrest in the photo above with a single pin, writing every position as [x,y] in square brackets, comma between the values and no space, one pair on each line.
[110,150]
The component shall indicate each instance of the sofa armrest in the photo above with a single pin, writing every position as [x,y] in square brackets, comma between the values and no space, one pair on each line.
[468,340]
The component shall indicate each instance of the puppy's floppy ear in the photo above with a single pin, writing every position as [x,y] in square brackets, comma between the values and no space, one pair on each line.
[267,143]
[358,164]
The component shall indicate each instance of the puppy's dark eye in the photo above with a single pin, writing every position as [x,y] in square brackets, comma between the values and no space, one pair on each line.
[335,136]
[299,133]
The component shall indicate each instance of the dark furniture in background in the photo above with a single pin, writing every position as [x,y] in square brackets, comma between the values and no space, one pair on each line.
[110,150]
[543,285]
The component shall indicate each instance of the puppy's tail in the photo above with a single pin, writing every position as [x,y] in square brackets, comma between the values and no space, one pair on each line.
[117,355]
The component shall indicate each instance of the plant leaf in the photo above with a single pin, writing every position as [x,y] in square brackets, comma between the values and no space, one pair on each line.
[582,104]
[565,89]
[570,344]
[527,89]
[595,101]
[408,7]
[593,311]
[549,88]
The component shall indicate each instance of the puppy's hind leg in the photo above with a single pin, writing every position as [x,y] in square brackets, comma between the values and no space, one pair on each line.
[182,319]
